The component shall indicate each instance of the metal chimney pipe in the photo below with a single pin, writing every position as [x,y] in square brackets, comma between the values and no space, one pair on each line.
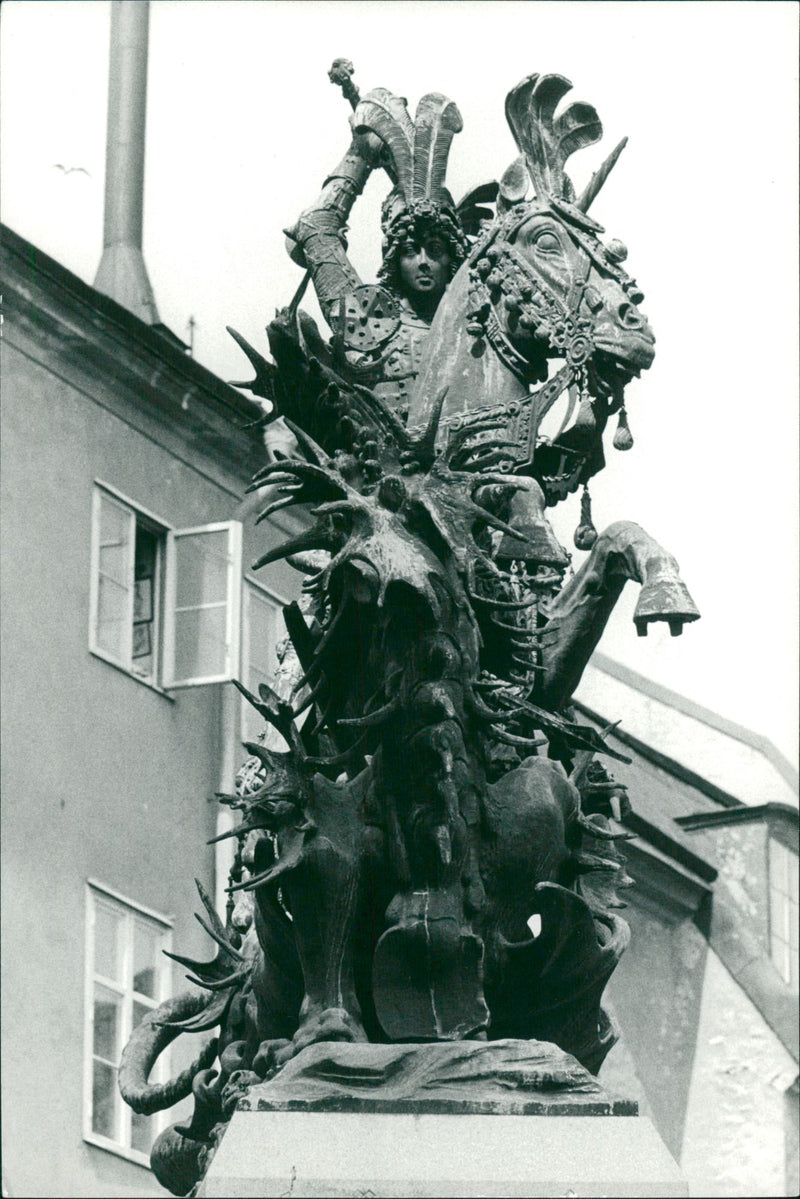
[122,274]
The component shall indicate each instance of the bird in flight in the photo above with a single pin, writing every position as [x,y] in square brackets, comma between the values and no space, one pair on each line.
[59,166]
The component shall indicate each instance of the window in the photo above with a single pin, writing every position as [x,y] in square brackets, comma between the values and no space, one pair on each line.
[783,907]
[263,628]
[127,975]
[164,603]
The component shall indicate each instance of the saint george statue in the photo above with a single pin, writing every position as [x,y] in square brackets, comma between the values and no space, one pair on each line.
[380,329]
[433,851]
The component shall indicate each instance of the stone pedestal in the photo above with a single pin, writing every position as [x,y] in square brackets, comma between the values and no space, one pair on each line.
[470,1118]
[338,1154]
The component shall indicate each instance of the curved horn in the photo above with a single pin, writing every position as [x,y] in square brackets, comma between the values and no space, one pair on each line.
[599,177]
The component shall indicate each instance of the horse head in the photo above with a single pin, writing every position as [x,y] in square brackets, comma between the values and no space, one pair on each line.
[539,284]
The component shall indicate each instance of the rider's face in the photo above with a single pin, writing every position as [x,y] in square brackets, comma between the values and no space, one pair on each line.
[424,266]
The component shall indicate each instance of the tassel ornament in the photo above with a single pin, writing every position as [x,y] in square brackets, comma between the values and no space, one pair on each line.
[623,438]
[586,534]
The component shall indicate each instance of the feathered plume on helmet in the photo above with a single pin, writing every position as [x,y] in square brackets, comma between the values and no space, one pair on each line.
[546,140]
[419,149]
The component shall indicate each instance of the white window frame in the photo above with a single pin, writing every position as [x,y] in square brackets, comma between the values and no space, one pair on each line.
[269,593]
[164,587]
[130,910]
[159,527]
[233,604]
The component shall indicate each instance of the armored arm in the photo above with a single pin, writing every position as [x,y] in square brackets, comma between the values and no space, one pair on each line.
[318,241]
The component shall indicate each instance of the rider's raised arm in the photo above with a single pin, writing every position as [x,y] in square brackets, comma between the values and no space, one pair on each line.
[317,241]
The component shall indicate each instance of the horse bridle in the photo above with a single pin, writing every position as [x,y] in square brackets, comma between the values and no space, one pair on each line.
[503,269]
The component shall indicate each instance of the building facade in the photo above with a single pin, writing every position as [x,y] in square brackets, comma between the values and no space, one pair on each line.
[126,551]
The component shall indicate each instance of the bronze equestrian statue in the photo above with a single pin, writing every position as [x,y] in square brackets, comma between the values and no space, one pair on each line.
[435,794]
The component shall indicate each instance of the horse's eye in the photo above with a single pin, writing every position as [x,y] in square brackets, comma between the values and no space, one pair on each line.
[547,242]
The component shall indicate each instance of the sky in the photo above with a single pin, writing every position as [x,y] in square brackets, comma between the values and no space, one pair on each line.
[243,127]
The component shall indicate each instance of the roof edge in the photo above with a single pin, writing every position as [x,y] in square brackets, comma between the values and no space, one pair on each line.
[31,258]
[688,707]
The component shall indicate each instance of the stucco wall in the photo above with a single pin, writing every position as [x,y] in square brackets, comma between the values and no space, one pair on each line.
[735,1131]
[655,993]
[103,776]
[700,1058]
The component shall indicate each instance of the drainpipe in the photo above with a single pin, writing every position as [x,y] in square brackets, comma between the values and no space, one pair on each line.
[232,755]
[231,758]
[122,274]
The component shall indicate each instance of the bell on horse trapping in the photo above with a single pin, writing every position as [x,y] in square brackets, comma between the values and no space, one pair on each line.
[586,534]
[623,438]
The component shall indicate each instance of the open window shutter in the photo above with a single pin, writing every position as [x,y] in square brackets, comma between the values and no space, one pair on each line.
[113,547]
[203,605]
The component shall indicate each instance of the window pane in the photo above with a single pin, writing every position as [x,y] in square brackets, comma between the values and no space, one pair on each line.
[201,560]
[200,647]
[146,958]
[107,941]
[104,1100]
[107,1015]
[145,602]
[142,1132]
[113,632]
[265,626]
[115,537]
[263,631]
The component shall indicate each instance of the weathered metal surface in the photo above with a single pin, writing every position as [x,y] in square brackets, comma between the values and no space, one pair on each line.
[430,858]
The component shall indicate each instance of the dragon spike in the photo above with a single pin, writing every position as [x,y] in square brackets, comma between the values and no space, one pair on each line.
[221,940]
[285,500]
[372,718]
[208,904]
[322,719]
[314,693]
[312,540]
[587,196]
[338,759]
[423,446]
[269,705]
[547,140]
[263,384]
[520,742]
[238,831]
[308,442]
[488,518]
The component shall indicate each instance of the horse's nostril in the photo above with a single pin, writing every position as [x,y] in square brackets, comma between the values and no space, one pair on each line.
[629,316]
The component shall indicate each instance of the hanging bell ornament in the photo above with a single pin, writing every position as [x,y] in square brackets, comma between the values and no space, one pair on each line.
[586,534]
[623,438]
[586,418]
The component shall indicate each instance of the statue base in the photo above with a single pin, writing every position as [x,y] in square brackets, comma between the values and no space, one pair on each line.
[469,1118]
